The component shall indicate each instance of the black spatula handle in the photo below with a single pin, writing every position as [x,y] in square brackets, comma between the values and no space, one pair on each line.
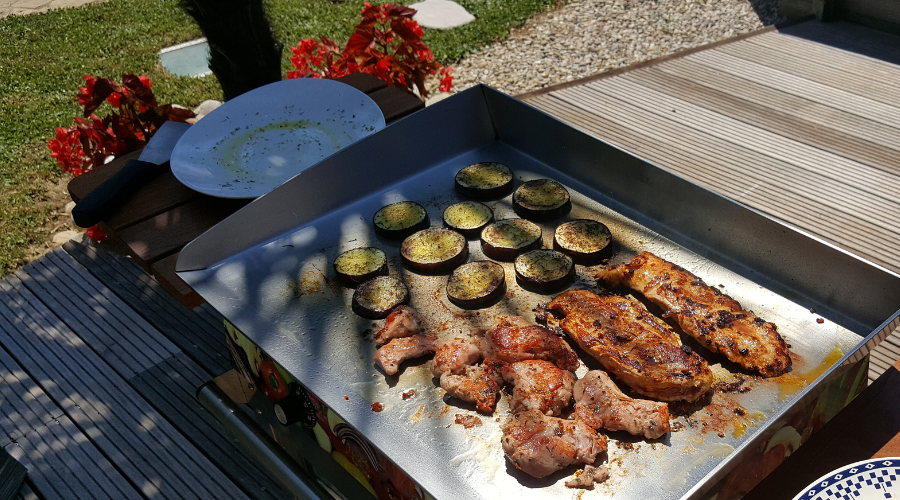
[108,197]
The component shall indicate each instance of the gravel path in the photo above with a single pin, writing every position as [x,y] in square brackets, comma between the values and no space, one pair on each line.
[585,37]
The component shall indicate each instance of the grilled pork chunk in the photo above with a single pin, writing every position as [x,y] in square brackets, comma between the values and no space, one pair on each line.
[540,445]
[390,355]
[479,384]
[716,320]
[539,385]
[633,344]
[515,339]
[454,356]
[401,322]
[599,403]
[588,476]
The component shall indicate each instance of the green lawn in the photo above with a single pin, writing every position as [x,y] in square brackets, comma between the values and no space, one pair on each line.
[43,57]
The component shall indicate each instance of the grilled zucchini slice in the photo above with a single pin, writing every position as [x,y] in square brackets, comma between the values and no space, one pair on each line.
[484,181]
[468,218]
[375,298]
[360,264]
[399,220]
[506,239]
[434,251]
[587,241]
[477,284]
[544,271]
[541,199]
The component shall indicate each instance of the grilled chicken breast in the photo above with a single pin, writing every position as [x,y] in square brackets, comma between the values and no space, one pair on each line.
[716,320]
[540,445]
[600,404]
[539,385]
[638,348]
[514,339]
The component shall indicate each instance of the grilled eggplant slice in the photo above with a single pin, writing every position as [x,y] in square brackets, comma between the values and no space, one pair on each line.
[544,271]
[375,298]
[468,218]
[477,284]
[506,239]
[399,220]
[434,251]
[587,241]
[359,265]
[484,181]
[541,199]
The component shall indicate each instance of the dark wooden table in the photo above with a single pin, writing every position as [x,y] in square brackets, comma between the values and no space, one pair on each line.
[164,215]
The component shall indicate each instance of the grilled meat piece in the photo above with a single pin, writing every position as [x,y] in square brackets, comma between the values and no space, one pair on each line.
[390,355]
[587,477]
[479,384]
[599,403]
[716,320]
[514,339]
[401,322]
[539,385]
[638,348]
[454,356]
[540,445]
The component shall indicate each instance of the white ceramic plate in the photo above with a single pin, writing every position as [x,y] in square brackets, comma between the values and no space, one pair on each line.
[867,480]
[253,143]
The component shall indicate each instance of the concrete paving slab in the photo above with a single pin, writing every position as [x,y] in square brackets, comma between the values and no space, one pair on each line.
[441,14]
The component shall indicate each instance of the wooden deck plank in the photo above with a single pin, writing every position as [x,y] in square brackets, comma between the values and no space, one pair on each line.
[56,453]
[784,122]
[772,98]
[193,331]
[731,170]
[704,167]
[850,61]
[23,405]
[809,185]
[794,85]
[139,441]
[822,175]
[831,74]
[170,387]
[850,37]
[120,346]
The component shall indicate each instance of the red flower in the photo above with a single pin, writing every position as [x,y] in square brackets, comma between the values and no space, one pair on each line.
[96,234]
[446,80]
[114,99]
[387,43]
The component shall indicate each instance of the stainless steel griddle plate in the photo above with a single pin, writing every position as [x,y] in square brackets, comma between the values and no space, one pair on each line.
[267,269]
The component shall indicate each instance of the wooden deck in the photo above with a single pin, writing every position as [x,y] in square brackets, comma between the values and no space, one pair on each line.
[784,121]
[99,370]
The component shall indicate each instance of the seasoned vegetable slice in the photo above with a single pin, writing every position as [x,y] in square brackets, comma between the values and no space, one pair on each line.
[375,298]
[399,220]
[586,241]
[360,264]
[434,251]
[544,270]
[541,199]
[485,180]
[507,238]
[476,284]
[468,217]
